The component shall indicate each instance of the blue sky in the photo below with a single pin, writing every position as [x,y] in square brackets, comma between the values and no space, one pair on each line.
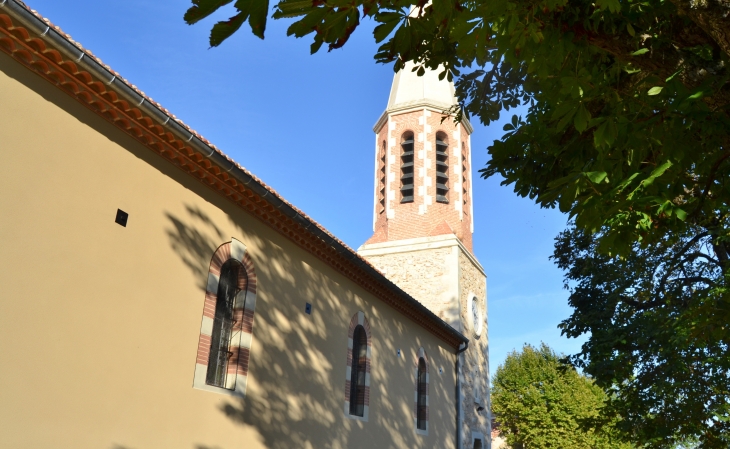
[303,124]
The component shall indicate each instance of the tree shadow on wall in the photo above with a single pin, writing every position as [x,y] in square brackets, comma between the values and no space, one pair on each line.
[296,388]
[195,244]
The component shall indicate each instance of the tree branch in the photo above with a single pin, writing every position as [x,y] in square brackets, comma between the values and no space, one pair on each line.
[671,265]
[708,184]
[710,15]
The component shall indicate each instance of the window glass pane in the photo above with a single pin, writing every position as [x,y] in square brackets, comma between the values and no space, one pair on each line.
[421,406]
[358,372]
[229,285]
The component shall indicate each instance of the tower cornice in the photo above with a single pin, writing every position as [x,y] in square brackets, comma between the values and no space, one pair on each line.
[418,244]
[416,106]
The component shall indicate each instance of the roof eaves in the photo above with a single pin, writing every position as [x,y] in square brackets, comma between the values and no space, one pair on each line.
[84,58]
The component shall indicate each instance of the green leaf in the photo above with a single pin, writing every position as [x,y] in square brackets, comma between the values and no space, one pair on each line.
[316,45]
[224,29]
[308,23]
[630,29]
[257,11]
[596,177]
[703,51]
[202,9]
[252,10]
[657,172]
[655,90]
[610,132]
[697,95]
[671,77]
[292,8]
[640,51]
[384,29]
[582,117]
[599,135]
[612,5]
[567,118]
[562,109]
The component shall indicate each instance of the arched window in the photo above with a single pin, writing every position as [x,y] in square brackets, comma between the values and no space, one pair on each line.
[382,181]
[357,377]
[226,331]
[421,406]
[232,281]
[406,168]
[422,396]
[358,370]
[477,444]
[442,168]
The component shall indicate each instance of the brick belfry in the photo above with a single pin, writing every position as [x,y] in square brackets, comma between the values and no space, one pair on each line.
[423,224]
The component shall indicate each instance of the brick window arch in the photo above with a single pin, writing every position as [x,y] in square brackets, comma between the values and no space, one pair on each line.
[421,396]
[357,374]
[226,330]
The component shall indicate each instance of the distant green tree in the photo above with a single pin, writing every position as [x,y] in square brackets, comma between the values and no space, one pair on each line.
[542,403]
[657,320]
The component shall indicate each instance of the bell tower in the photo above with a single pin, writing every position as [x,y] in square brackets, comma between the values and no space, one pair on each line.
[423,225]
[423,177]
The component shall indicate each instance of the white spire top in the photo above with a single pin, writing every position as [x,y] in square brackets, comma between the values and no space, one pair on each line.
[410,90]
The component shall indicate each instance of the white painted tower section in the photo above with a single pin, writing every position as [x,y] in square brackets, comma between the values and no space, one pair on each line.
[410,90]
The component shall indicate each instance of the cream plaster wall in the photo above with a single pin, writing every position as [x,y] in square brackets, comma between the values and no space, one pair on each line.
[100,323]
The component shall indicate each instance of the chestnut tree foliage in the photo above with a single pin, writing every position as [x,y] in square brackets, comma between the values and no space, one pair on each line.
[627,125]
[627,129]
[658,322]
[542,403]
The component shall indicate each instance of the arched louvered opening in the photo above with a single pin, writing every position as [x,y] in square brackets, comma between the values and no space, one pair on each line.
[422,396]
[232,281]
[442,168]
[358,371]
[406,168]
[464,173]
[381,183]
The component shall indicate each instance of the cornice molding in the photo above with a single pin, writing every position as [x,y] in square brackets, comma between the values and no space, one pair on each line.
[100,96]
[404,108]
[418,244]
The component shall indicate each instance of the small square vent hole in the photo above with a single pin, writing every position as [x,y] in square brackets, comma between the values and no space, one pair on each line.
[121,218]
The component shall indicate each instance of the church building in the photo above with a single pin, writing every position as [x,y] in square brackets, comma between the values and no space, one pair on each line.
[156,294]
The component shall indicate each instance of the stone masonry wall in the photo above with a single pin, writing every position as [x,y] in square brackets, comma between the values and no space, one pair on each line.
[475,359]
[427,275]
